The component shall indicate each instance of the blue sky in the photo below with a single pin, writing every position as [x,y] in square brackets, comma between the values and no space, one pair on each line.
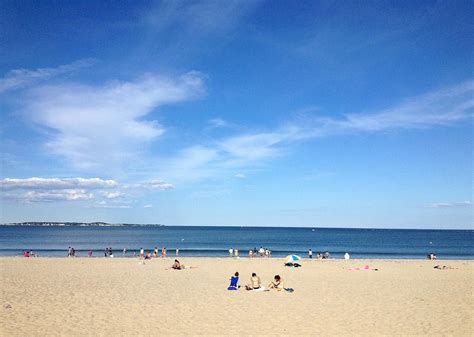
[262,113]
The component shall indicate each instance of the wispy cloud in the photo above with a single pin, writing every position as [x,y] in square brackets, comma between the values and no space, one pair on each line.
[443,107]
[147,206]
[55,183]
[113,195]
[104,204]
[86,124]
[198,17]
[21,78]
[458,204]
[103,191]
[240,176]
[218,123]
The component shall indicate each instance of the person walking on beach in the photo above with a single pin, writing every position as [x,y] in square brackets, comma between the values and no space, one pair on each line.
[125,251]
[163,252]
[142,253]
[310,253]
[155,252]
[236,252]
[231,251]
[177,251]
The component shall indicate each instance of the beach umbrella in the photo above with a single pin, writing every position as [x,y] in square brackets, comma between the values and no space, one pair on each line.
[292,258]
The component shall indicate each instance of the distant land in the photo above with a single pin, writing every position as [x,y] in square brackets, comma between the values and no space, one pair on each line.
[72,224]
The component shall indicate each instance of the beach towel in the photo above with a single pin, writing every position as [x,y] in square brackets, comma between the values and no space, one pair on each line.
[259,289]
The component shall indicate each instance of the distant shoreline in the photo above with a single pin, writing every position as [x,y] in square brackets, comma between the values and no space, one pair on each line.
[76,224]
[106,224]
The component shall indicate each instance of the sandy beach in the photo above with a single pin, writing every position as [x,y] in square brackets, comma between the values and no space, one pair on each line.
[120,296]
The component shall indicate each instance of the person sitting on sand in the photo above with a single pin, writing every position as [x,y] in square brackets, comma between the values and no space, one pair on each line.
[442,267]
[233,282]
[148,256]
[277,283]
[255,282]
[177,265]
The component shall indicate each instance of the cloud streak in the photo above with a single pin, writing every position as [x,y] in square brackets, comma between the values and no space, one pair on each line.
[21,78]
[459,204]
[443,107]
[55,183]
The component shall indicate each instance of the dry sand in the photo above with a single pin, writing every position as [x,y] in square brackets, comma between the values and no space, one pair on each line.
[120,297]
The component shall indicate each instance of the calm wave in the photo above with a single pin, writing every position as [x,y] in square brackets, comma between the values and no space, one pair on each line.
[215,241]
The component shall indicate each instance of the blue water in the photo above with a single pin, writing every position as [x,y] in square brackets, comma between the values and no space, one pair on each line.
[215,241]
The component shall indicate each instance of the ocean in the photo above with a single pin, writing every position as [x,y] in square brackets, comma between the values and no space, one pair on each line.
[216,241]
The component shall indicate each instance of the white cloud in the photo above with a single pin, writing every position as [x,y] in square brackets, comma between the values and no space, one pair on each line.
[158,184]
[20,78]
[152,184]
[113,195]
[240,176]
[218,123]
[56,195]
[458,204]
[76,189]
[148,206]
[55,183]
[86,124]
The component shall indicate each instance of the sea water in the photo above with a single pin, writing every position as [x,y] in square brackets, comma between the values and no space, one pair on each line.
[216,241]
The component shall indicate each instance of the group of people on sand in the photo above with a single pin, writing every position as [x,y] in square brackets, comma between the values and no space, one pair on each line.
[431,256]
[319,256]
[263,252]
[256,283]
[71,252]
[155,253]
[108,252]
[28,253]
